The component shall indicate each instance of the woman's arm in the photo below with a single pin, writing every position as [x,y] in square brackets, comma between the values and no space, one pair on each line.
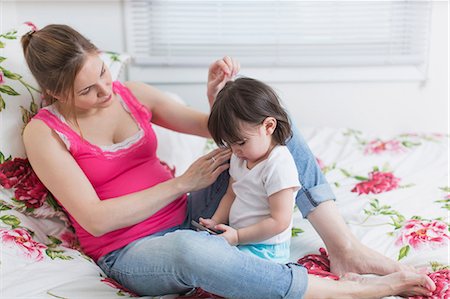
[60,173]
[281,207]
[176,116]
[168,113]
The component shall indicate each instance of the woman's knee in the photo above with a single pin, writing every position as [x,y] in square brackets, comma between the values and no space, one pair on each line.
[193,249]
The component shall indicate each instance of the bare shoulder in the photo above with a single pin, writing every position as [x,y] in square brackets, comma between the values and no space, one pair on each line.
[38,136]
[35,129]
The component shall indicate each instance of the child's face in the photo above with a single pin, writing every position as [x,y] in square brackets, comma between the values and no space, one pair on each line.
[257,141]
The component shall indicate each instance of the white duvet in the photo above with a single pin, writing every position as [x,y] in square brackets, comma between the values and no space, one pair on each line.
[393,192]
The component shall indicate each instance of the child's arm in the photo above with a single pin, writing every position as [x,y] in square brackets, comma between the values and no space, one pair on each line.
[281,208]
[223,211]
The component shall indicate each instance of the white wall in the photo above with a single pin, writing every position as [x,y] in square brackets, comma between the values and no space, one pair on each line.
[99,20]
[378,106]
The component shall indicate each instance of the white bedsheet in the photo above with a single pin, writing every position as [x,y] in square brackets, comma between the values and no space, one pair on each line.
[407,219]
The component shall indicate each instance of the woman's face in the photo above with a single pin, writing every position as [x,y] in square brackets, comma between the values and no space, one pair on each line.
[92,86]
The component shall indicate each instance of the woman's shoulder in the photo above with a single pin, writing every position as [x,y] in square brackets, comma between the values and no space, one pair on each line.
[36,127]
[37,131]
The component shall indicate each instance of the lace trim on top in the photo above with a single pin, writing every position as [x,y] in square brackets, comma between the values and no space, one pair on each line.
[125,144]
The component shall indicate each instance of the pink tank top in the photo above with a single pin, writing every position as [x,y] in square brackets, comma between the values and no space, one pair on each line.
[116,173]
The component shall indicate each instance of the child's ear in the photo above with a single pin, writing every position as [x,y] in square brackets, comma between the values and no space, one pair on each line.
[270,124]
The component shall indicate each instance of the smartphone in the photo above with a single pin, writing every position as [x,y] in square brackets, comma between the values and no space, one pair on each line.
[204,228]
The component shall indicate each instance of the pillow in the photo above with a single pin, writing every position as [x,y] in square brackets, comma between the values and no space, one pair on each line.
[40,259]
[176,149]
[20,189]
[19,95]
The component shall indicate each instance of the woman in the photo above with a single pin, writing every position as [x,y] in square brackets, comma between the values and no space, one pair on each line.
[129,212]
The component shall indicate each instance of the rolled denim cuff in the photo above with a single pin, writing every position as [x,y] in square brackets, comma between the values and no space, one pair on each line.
[308,199]
[299,281]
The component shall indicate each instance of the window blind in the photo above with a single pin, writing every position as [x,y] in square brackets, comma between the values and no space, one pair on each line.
[278,33]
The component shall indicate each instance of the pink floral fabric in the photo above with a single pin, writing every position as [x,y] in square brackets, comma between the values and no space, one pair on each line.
[69,240]
[318,264]
[442,280]
[31,191]
[378,182]
[320,163]
[199,293]
[114,284]
[379,146]
[21,240]
[18,174]
[13,171]
[418,233]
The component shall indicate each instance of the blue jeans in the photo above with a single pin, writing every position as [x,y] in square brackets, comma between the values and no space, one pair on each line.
[179,259]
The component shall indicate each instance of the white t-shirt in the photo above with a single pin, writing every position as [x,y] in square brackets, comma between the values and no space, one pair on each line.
[253,187]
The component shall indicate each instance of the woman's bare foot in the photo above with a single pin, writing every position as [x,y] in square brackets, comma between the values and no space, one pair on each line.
[363,260]
[346,253]
[352,285]
[404,283]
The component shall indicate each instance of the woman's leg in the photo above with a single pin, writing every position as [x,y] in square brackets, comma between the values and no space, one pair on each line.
[204,203]
[315,188]
[182,260]
[347,254]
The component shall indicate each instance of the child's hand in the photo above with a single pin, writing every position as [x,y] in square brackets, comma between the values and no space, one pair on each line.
[230,234]
[209,223]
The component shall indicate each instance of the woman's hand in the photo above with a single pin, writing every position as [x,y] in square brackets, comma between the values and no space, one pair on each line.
[205,170]
[220,72]
[230,234]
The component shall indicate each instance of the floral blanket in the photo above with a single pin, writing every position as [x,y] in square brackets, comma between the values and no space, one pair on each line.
[392,191]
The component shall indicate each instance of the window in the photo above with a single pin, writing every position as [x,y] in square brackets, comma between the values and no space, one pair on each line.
[279,33]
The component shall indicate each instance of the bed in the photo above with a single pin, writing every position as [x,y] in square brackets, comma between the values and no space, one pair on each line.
[392,190]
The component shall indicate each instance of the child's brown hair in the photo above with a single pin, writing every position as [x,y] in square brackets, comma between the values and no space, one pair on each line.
[246,100]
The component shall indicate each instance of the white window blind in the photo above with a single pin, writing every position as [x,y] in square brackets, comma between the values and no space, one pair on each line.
[278,33]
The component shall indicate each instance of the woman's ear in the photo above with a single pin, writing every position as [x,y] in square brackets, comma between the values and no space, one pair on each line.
[58,98]
[270,124]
